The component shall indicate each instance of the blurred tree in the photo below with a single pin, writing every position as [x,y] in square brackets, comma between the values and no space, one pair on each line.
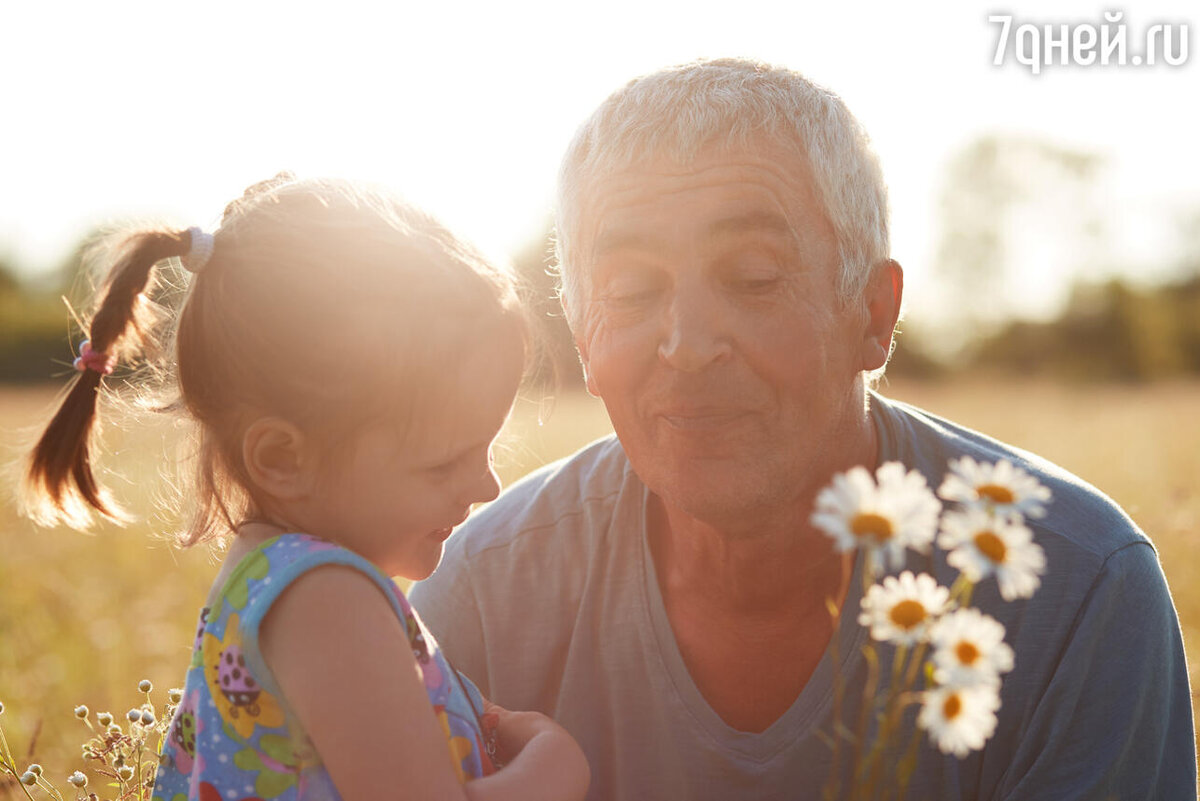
[1108,332]
[1011,208]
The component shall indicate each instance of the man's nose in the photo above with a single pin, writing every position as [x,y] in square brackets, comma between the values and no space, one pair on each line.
[694,333]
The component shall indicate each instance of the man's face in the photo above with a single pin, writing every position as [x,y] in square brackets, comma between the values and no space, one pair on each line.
[714,334]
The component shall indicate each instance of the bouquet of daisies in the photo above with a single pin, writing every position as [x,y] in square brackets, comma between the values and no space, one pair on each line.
[949,657]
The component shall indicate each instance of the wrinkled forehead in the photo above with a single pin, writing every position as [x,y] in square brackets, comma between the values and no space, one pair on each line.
[764,184]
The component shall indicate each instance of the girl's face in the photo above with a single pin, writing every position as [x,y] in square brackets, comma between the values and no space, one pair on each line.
[396,497]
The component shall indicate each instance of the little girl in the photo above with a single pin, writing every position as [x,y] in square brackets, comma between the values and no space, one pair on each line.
[348,363]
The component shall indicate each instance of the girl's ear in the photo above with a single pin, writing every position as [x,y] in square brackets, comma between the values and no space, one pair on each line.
[279,459]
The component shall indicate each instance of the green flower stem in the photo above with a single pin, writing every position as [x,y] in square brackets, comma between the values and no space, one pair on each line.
[45,784]
[908,763]
[960,592]
[833,784]
[876,767]
[10,765]
[869,690]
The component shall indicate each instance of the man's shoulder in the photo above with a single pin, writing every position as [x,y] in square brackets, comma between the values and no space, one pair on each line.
[1079,516]
[578,492]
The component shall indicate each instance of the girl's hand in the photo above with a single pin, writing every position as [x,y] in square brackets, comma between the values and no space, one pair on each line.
[538,753]
[514,730]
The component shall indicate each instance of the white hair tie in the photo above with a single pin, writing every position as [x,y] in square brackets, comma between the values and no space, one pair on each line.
[200,250]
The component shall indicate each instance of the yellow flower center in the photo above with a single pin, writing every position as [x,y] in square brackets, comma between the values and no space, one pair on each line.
[967,653]
[951,707]
[869,524]
[908,614]
[996,493]
[991,546]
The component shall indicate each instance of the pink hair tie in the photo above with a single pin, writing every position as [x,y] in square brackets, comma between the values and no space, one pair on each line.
[90,359]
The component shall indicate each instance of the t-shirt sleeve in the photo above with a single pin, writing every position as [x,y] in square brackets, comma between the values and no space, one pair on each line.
[1116,718]
[447,604]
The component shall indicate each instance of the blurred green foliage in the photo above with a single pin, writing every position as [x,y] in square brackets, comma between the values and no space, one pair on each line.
[33,330]
[1108,332]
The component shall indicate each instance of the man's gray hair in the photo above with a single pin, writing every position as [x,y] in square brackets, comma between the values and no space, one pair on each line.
[679,111]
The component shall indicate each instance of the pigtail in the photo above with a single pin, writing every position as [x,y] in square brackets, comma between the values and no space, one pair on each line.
[60,485]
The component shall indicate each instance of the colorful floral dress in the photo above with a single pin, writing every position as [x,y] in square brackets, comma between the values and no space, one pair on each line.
[232,737]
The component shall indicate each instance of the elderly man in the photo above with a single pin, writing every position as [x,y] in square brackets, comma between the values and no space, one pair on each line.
[665,595]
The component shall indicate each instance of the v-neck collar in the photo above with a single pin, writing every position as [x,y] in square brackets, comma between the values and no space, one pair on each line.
[811,707]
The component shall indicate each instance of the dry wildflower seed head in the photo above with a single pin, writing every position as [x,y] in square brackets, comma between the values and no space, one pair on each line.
[174,695]
[1,707]
[77,779]
[125,772]
[81,712]
[145,686]
[147,718]
[134,715]
[35,769]
[28,778]
[104,718]
[114,728]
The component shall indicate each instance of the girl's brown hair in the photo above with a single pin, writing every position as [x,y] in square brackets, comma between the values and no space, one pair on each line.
[326,303]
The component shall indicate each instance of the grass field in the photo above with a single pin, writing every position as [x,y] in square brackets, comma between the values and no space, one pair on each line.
[84,617]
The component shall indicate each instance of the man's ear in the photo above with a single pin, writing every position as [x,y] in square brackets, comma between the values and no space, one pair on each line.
[881,301]
[279,458]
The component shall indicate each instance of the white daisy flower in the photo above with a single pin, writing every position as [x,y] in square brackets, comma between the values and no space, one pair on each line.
[901,609]
[959,719]
[884,518]
[1002,487]
[969,649]
[982,544]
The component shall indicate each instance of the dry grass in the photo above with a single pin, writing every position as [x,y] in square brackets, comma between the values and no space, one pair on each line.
[84,617]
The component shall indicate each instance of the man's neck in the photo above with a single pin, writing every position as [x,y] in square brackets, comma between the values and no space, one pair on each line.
[775,561]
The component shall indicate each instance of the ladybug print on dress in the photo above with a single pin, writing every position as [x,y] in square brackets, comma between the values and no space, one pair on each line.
[236,683]
[183,732]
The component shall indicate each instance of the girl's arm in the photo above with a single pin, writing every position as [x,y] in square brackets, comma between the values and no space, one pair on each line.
[343,660]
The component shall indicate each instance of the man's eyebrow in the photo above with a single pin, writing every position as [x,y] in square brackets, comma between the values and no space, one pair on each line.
[610,241]
[752,221]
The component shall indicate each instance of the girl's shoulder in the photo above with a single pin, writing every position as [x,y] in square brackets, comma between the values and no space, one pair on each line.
[254,579]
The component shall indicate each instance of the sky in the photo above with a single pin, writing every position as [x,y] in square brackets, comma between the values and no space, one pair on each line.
[167,110]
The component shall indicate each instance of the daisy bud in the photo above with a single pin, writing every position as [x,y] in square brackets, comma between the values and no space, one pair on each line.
[175,695]
[35,769]
[104,718]
[145,686]
[134,715]
[28,778]
[125,772]
[81,712]
[147,718]
[77,779]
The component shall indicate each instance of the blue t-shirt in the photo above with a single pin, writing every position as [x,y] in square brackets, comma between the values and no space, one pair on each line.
[549,598]
[233,737]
